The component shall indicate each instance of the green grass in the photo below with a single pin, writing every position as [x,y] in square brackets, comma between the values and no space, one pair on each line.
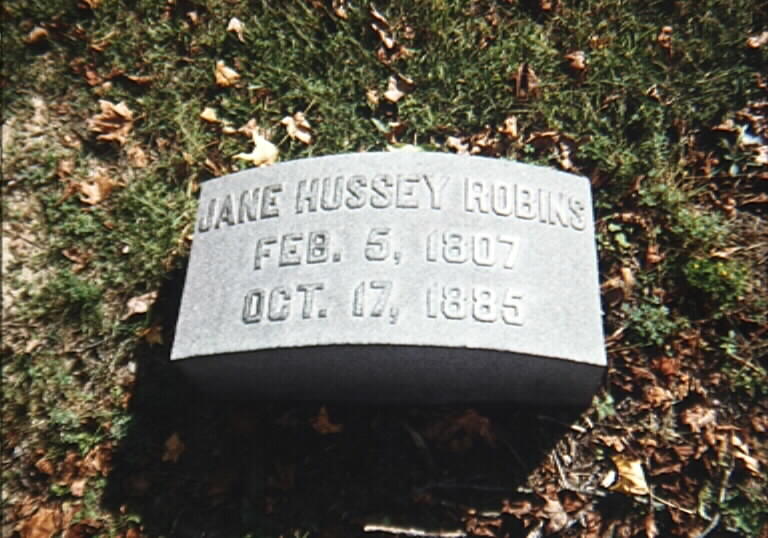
[640,119]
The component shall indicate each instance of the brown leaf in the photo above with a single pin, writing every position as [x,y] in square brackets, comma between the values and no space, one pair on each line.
[652,256]
[140,304]
[698,417]
[114,122]
[225,76]
[322,423]
[37,35]
[77,487]
[547,5]
[526,82]
[79,257]
[758,40]
[612,441]
[509,127]
[174,448]
[516,508]
[664,39]
[298,127]
[209,114]
[340,8]
[97,188]
[378,17]
[140,79]
[236,25]
[555,513]
[97,461]
[250,128]
[668,366]
[651,530]
[92,77]
[137,157]
[44,524]
[577,60]
[457,144]
[65,168]
[658,396]
[152,335]
[631,479]
[741,453]
[264,152]
[45,466]
[93,4]
[397,87]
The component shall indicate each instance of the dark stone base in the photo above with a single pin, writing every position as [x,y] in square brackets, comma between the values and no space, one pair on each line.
[395,374]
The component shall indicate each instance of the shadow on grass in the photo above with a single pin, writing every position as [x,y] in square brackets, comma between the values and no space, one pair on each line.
[193,466]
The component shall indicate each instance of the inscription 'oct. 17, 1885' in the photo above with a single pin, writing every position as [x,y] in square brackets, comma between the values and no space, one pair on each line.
[414,276]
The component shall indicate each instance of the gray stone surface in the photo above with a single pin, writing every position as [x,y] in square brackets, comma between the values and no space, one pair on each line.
[394,276]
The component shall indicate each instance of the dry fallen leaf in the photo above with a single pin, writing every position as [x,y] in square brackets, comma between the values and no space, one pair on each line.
[37,35]
[140,304]
[651,530]
[97,188]
[225,76]
[44,524]
[457,144]
[652,256]
[250,128]
[322,423]
[340,8]
[236,25]
[114,122]
[372,97]
[509,127]
[97,461]
[152,335]
[526,82]
[577,60]
[757,41]
[397,87]
[664,39]
[553,510]
[140,79]
[44,465]
[298,127]
[631,479]
[264,152]
[174,448]
[93,4]
[65,168]
[77,487]
[137,157]
[658,396]
[741,452]
[79,257]
[697,417]
[209,114]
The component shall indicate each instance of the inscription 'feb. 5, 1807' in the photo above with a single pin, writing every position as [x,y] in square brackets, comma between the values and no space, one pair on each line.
[394,277]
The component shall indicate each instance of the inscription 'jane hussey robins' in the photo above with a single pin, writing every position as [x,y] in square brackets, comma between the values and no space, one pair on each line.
[401,191]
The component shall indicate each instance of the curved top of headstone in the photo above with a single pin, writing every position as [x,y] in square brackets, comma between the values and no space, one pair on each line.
[392,260]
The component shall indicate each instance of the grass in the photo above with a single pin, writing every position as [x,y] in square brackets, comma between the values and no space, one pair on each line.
[639,121]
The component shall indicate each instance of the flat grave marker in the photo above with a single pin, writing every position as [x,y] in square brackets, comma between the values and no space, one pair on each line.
[394,277]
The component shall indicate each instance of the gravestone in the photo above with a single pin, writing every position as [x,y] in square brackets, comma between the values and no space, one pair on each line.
[394,277]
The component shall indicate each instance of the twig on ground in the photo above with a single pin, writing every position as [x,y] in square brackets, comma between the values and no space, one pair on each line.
[413,531]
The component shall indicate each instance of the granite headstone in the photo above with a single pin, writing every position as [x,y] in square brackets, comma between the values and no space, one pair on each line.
[394,277]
